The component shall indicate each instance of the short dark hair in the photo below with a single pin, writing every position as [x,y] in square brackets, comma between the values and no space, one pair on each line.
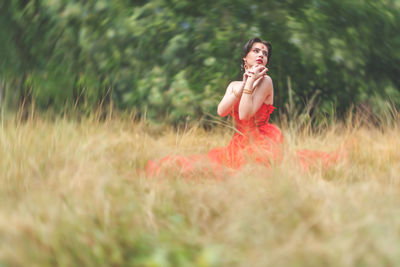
[249,44]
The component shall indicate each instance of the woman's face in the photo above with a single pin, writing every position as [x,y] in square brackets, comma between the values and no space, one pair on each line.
[258,55]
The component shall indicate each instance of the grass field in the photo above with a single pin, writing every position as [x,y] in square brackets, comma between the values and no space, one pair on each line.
[72,194]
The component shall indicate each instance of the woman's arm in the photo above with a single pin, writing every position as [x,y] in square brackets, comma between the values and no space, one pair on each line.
[264,93]
[232,95]
[255,94]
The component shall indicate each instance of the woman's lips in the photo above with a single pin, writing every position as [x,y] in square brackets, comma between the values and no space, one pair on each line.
[259,61]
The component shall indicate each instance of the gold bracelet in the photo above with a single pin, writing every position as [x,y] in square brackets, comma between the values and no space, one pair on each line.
[247,91]
[235,94]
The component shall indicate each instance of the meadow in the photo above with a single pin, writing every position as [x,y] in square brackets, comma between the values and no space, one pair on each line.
[72,193]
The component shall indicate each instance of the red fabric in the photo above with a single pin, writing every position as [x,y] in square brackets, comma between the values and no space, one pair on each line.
[256,140]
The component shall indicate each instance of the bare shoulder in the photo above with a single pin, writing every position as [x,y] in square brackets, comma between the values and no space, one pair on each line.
[266,83]
[269,90]
[267,80]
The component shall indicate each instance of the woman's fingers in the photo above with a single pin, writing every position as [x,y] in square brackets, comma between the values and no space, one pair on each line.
[263,72]
[245,76]
[257,71]
[248,74]
[259,68]
[260,71]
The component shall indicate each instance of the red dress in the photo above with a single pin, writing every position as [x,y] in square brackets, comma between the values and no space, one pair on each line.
[256,140]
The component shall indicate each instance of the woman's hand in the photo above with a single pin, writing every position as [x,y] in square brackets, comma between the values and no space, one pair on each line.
[256,72]
[246,75]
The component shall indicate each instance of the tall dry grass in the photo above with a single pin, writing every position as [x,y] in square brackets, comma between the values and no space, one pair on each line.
[72,194]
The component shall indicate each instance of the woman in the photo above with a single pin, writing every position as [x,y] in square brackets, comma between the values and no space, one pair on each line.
[256,54]
[250,103]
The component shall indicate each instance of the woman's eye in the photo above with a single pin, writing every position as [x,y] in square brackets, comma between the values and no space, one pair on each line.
[265,53]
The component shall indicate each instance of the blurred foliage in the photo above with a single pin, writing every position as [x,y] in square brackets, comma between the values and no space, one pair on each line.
[174,58]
